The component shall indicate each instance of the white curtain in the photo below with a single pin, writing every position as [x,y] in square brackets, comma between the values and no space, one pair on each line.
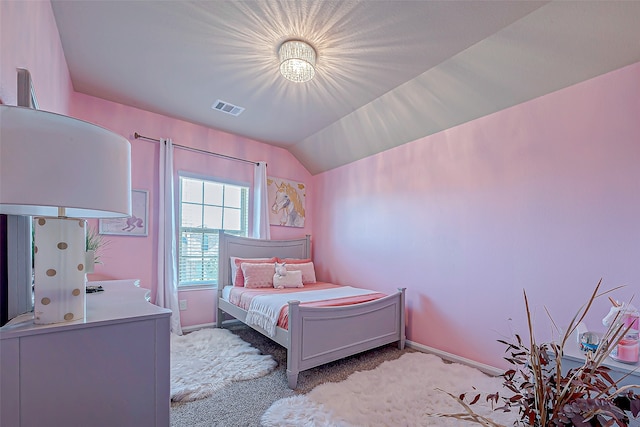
[261,228]
[167,291]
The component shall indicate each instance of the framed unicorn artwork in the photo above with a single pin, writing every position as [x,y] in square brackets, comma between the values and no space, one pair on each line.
[136,224]
[286,202]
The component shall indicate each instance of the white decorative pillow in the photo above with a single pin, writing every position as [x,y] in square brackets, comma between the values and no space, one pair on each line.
[293,279]
[258,275]
[308,271]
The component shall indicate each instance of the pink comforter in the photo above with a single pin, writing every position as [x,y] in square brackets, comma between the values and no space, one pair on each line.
[242,297]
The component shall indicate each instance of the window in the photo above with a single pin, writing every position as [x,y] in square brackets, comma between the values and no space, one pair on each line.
[205,207]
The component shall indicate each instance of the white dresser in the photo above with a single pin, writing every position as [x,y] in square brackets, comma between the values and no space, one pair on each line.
[109,369]
[627,374]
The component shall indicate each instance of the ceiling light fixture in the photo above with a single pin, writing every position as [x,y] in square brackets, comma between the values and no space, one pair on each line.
[297,61]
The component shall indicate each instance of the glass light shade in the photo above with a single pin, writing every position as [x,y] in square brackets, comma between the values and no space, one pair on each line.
[297,61]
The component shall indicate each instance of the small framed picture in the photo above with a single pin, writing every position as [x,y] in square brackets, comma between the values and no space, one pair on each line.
[136,224]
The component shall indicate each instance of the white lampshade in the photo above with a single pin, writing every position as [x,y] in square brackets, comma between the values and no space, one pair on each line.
[61,170]
[49,161]
[297,61]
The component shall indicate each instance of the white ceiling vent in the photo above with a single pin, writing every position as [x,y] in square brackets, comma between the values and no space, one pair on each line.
[225,107]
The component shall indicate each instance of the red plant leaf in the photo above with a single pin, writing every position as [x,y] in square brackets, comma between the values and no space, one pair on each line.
[634,407]
[493,397]
[609,423]
[579,421]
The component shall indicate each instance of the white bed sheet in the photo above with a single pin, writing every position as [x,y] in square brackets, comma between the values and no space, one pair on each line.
[226,291]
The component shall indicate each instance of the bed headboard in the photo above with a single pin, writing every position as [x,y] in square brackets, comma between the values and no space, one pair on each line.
[245,247]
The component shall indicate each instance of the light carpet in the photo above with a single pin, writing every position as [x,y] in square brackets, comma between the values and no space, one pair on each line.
[206,360]
[401,392]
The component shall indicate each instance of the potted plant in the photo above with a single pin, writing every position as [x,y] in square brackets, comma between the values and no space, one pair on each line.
[545,395]
[95,242]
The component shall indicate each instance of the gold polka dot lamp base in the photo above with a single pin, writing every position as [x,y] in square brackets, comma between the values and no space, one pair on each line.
[59,265]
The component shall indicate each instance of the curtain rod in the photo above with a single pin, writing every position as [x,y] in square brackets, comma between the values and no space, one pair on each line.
[136,135]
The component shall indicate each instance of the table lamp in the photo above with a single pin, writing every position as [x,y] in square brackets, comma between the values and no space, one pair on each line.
[61,170]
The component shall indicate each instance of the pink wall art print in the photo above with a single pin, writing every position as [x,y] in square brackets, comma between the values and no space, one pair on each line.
[136,224]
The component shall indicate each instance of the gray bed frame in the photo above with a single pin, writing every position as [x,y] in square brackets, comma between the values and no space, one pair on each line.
[316,335]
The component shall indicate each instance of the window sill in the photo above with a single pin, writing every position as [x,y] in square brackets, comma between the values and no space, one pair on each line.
[188,288]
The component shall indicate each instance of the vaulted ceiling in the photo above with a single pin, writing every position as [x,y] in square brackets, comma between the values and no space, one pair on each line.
[388,72]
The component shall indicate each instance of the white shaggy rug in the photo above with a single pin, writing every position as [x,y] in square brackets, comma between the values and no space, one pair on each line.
[208,359]
[401,392]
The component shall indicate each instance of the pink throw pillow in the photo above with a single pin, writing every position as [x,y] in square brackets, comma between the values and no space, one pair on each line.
[258,275]
[295,260]
[308,271]
[238,278]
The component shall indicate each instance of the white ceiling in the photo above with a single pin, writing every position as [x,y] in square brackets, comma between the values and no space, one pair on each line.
[388,72]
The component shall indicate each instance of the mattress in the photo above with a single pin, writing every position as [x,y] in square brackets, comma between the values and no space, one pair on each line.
[242,297]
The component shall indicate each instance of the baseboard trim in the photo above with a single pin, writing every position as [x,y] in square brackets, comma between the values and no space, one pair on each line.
[192,328]
[487,369]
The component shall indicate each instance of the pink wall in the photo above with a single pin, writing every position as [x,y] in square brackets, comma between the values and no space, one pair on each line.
[29,39]
[544,196]
[135,257]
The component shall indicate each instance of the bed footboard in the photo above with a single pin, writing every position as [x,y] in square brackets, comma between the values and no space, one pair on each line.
[319,335]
